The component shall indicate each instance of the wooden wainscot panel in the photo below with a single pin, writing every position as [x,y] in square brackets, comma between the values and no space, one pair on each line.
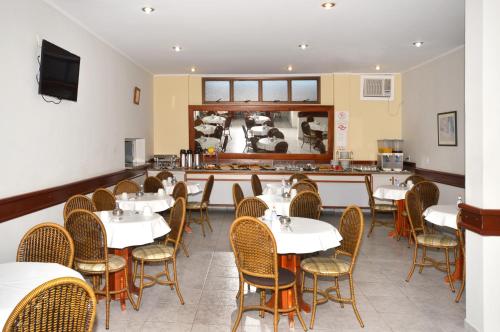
[485,222]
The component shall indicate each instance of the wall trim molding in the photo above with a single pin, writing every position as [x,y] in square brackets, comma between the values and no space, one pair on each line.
[20,205]
[451,179]
[485,222]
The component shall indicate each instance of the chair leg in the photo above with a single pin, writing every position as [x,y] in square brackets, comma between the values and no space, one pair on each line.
[108,298]
[337,290]
[276,312]
[413,264]
[127,289]
[462,287]
[262,302]
[303,282]
[201,222]
[176,282]
[297,307]
[315,301]
[240,308]
[141,285]
[207,219]
[450,280]
[353,301]
[167,274]
[372,225]
[422,262]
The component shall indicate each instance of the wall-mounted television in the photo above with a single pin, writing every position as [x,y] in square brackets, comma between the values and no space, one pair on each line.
[59,71]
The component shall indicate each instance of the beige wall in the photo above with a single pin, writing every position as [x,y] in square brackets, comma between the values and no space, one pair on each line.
[370,120]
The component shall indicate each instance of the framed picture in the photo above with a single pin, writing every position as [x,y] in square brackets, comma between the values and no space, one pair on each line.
[137,95]
[447,128]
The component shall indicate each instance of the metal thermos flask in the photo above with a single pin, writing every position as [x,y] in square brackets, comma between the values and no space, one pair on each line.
[189,158]
[183,158]
[197,158]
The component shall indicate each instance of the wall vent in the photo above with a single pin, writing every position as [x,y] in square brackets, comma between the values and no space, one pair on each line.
[377,87]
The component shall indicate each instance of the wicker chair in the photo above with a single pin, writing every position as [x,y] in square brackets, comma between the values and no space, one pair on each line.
[104,200]
[251,207]
[62,304]
[227,127]
[78,202]
[426,240]
[307,204]
[303,186]
[238,195]
[126,186]
[314,184]
[254,249]
[180,190]
[152,184]
[198,122]
[224,144]
[163,175]
[351,229]
[218,132]
[461,243]
[281,147]
[307,135]
[202,206]
[271,132]
[255,148]
[279,134]
[46,243]
[298,176]
[248,143]
[256,185]
[428,193]
[415,179]
[91,254]
[378,208]
[162,253]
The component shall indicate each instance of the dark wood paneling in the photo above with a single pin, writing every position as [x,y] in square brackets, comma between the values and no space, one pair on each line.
[485,222]
[451,179]
[17,206]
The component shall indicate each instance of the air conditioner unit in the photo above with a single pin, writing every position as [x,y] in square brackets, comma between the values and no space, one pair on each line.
[377,87]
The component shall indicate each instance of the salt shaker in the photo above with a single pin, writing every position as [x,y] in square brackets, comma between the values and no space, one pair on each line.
[459,201]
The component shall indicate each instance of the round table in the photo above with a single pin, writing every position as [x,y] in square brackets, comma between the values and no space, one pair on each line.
[317,126]
[274,189]
[18,279]
[208,142]
[214,119]
[133,228]
[280,203]
[260,130]
[157,202]
[268,143]
[260,119]
[398,195]
[206,129]
[192,188]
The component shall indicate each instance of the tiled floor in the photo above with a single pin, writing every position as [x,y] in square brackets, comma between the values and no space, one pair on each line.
[208,281]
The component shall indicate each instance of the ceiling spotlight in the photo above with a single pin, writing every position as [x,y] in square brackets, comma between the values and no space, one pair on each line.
[193,69]
[418,43]
[177,48]
[290,68]
[328,5]
[377,67]
[148,10]
[303,46]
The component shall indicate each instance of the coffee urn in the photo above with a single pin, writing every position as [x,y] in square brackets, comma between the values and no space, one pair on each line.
[197,158]
[189,158]
[182,156]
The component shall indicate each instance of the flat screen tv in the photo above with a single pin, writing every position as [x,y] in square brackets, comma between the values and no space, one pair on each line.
[59,71]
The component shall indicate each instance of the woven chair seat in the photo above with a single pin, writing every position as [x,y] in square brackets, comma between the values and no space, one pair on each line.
[386,207]
[115,263]
[436,240]
[196,206]
[153,252]
[324,265]
[285,277]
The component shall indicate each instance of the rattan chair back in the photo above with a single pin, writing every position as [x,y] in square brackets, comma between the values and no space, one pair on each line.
[180,190]
[89,237]
[256,185]
[152,184]
[298,176]
[303,186]
[428,193]
[78,202]
[198,122]
[307,204]
[176,223]
[126,186]
[163,175]
[351,228]
[238,195]
[104,200]
[414,212]
[46,243]
[207,191]
[415,179]
[281,147]
[63,304]
[254,248]
[251,207]
[369,190]
[218,132]
[271,132]
[314,184]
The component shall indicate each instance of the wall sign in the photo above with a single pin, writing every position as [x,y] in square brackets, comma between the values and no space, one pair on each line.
[447,128]
[341,128]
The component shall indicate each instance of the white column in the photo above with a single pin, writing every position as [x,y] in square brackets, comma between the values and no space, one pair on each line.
[482,158]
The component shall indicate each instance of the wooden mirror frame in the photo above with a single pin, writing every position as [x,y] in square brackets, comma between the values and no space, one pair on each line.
[325,157]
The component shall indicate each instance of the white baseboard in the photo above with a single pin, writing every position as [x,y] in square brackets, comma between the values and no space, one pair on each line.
[468,327]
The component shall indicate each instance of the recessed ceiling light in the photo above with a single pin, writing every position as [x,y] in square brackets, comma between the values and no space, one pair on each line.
[177,48]
[148,10]
[303,46]
[418,43]
[193,69]
[328,5]
[377,67]
[290,68]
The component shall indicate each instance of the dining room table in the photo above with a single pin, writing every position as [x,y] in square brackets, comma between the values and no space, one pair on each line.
[260,131]
[133,202]
[317,126]
[208,142]
[192,188]
[268,143]
[396,193]
[445,215]
[278,202]
[301,236]
[18,279]
[260,119]
[275,188]
[206,129]
[214,120]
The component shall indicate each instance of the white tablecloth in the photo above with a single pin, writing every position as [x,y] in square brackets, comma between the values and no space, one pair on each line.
[206,129]
[214,119]
[260,130]
[156,202]
[390,192]
[306,236]
[274,189]
[132,228]
[317,126]
[442,215]
[268,144]
[208,142]
[281,204]
[18,279]
[192,188]
[260,119]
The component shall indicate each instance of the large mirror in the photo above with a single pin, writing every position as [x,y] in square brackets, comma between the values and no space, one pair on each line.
[263,132]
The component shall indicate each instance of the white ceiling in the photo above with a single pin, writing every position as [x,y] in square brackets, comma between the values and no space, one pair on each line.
[262,36]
